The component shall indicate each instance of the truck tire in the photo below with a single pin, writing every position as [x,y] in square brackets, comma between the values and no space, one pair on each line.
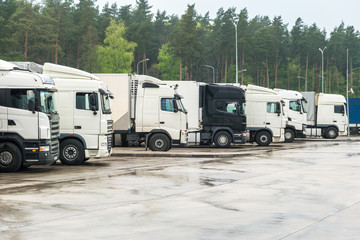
[222,139]
[71,152]
[289,135]
[331,133]
[10,157]
[263,138]
[159,142]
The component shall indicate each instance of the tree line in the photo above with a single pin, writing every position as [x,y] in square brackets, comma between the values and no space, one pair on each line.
[130,39]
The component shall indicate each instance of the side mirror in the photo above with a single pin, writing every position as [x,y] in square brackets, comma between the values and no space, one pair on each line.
[92,99]
[175,110]
[32,105]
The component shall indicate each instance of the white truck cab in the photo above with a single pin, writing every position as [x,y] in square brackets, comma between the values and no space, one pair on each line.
[327,112]
[295,111]
[85,114]
[265,117]
[29,123]
[145,109]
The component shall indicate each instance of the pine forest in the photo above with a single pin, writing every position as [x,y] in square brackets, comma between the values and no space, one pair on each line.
[139,39]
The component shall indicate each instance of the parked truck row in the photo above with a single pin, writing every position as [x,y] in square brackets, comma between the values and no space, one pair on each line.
[51,111]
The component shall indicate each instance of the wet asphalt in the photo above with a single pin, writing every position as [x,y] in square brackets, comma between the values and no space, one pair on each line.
[302,190]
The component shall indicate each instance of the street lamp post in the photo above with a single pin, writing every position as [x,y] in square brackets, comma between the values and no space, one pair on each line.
[137,68]
[213,71]
[236,53]
[322,68]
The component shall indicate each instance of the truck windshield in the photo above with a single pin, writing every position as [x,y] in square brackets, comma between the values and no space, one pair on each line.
[304,105]
[181,106]
[47,104]
[105,103]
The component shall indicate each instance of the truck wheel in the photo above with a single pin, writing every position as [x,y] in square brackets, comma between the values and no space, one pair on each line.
[222,139]
[263,138]
[159,142]
[10,157]
[331,133]
[71,152]
[289,135]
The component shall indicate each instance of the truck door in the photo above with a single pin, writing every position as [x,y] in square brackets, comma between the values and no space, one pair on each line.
[87,118]
[274,117]
[340,117]
[170,117]
[19,116]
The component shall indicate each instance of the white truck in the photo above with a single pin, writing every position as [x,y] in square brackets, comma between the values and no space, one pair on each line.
[295,111]
[146,110]
[85,116]
[326,113]
[265,117]
[29,123]
[83,104]
[215,113]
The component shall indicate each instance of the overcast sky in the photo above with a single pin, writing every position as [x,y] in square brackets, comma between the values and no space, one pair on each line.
[326,14]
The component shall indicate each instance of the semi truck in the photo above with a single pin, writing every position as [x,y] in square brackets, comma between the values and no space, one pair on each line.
[84,108]
[29,123]
[215,113]
[326,113]
[146,111]
[265,117]
[295,111]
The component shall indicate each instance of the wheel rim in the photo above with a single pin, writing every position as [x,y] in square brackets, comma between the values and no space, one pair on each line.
[223,140]
[70,153]
[159,143]
[332,133]
[263,138]
[288,135]
[6,158]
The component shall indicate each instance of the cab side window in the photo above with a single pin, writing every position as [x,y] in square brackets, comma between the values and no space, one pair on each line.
[273,107]
[294,105]
[168,105]
[83,101]
[19,98]
[339,109]
[2,98]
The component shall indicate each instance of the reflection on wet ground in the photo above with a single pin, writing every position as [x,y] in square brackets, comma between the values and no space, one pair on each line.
[301,190]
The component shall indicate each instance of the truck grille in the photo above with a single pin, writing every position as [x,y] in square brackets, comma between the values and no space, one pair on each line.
[55,132]
[109,142]
[110,126]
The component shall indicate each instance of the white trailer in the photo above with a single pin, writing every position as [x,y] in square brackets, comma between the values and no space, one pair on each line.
[146,110]
[265,117]
[29,123]
[326,114]
[83,102]
[295,111]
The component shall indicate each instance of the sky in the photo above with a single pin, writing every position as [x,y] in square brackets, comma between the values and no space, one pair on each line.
[327,14]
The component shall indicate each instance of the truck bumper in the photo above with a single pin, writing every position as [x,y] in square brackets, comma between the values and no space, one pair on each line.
[105,148]
[36,155]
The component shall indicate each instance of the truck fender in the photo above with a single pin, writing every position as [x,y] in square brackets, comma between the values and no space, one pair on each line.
[64,136]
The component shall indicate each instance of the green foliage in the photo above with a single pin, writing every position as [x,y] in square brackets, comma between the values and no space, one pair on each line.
[117,55]
[168,63]
[79,35]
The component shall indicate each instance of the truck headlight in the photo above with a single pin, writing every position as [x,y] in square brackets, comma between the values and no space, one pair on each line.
[44,148]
